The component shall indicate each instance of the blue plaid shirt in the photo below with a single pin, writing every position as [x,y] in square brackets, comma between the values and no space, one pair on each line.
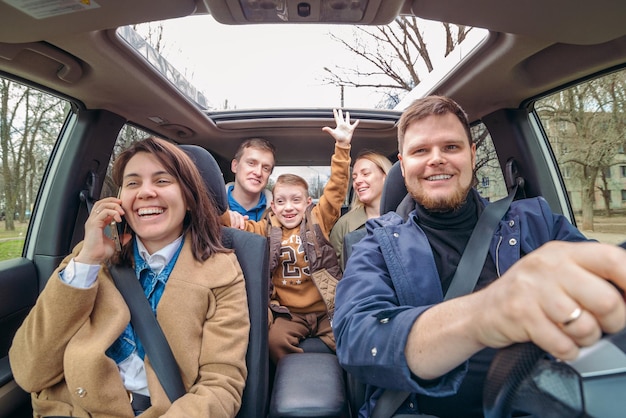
[153,284]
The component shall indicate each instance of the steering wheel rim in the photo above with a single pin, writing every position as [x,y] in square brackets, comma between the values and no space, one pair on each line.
[524,378]
[509,368]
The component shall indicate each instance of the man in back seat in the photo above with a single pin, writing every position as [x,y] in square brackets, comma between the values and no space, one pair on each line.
[393,329]
[252,166]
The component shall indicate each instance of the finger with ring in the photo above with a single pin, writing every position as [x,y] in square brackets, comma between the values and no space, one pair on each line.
[576,313]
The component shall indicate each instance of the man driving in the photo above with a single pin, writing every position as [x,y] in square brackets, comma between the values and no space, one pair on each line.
[540,282]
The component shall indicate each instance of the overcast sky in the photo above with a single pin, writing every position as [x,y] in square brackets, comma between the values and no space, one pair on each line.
[281,65]
[261,65]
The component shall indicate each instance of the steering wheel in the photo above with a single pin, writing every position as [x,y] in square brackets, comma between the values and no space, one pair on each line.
[523,378]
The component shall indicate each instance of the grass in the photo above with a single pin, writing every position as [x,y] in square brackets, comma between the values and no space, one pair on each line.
[11,249]
[12,242]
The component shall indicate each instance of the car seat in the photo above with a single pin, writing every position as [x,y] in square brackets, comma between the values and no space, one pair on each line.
[253,254]
[395,197]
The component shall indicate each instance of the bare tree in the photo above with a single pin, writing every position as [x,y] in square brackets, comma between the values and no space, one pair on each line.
[152,33]
[392,58]
[605,190]
[147,37]
[29,124]
[589,131]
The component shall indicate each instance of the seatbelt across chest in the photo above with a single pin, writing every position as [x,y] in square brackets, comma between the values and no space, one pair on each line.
[149,332]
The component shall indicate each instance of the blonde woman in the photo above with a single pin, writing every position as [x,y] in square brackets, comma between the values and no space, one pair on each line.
[368,176]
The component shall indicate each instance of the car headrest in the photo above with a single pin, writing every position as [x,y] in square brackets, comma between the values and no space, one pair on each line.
[394,189]
[211,173]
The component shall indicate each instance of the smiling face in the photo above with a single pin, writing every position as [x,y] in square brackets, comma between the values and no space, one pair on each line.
[437,162]
[153,201]
[252,170]
[289,204]
[367,181]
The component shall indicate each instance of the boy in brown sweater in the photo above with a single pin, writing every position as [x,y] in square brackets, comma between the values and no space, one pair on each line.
[303,263]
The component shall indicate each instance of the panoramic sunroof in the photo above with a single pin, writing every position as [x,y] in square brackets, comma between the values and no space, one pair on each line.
[248,67]
[225,67]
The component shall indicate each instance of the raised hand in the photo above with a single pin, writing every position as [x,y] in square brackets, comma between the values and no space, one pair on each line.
[344,130]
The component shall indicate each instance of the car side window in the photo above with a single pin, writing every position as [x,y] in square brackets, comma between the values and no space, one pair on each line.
[128,135]
[585,125]
[315,176]
[30,123]
[487,173]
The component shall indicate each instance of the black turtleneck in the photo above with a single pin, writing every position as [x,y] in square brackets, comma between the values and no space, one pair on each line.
[448,233]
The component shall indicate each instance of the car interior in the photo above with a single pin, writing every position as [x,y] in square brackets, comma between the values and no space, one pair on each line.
[72,52]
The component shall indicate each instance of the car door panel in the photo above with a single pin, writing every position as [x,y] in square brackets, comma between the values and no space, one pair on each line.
[18,293]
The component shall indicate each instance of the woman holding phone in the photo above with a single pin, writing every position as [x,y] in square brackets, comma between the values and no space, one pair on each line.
[77,352]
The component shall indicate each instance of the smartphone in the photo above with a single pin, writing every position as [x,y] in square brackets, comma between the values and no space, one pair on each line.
[116,230]
[115,235]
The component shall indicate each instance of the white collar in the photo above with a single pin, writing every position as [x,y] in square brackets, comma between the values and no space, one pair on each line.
[159,259]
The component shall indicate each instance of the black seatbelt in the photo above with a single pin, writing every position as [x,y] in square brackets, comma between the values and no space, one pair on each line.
[469,268]
[475,253]
[149,332]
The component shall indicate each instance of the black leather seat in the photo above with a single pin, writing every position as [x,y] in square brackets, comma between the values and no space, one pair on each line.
[394,189]
[252,252]
[309,385]
[395,197]
[349,240]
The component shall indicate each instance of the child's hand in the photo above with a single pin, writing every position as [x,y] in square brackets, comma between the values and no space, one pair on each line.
[344,130]
[237,220]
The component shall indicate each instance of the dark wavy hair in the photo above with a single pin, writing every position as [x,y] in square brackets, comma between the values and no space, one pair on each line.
[202,217]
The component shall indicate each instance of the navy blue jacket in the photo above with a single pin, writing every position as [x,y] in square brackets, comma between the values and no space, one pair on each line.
[391,278]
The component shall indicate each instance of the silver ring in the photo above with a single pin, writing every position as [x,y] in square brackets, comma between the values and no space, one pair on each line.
[573,316]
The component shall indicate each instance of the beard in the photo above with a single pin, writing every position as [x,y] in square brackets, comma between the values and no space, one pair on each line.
[440,204]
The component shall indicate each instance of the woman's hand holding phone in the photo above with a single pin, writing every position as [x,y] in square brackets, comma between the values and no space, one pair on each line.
[97,246]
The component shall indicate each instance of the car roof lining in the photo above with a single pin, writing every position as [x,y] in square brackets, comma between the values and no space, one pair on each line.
[138,93]
[556,20]
[582,23]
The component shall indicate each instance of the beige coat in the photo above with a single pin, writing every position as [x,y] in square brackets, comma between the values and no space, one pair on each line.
[58,353]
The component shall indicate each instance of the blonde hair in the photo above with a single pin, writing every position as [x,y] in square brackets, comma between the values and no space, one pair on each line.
[379,161]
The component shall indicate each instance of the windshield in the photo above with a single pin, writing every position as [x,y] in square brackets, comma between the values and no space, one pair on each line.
[225,67]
